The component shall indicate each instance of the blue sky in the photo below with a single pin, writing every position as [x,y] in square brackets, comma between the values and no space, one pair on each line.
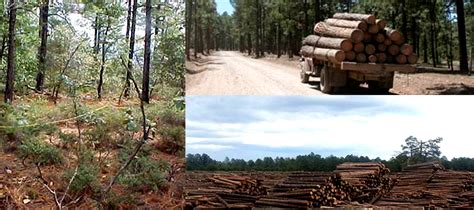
[224,6]
[255,127]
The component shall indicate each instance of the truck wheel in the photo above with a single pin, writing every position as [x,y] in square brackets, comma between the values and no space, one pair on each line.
[325,81]
[303,75]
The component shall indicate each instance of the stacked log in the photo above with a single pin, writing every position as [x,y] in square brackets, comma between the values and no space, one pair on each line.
[359,182]
[430,185]
[357,37]
[364,185]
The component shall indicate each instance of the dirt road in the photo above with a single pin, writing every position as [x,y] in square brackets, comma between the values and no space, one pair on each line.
[231,73]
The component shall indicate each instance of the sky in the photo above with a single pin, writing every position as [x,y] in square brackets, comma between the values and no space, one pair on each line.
[247,127]
[224,6]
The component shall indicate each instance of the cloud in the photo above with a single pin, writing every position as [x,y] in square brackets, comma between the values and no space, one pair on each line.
[285,126]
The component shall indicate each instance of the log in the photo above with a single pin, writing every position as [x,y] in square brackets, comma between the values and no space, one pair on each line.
[372,59]
[381,23]
[367,37]
[400,42]
[359,47]
[370,49]
[382,47]
[335,56]
[362,25]
[370,19]
[373,28]
[350,55]
[331,43]
[392,34]
[394,50]
[388,42]
[323,29]
[412,59]
[381,57]
[380,38]
[402,59]
[406,49]
[361,58]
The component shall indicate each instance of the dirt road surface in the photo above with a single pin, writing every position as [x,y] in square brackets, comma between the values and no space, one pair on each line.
[231,73]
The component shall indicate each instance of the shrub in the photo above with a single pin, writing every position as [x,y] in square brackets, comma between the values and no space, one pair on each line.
[86,178]
[40,152]
[145,174]
[172,139]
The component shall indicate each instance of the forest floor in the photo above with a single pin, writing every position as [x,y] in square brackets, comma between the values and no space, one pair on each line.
[19,180]
[234,73]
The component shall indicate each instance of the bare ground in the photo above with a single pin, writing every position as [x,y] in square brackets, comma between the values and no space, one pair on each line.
[233,73]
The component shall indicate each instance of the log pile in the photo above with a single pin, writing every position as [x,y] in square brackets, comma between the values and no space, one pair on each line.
[354,182]
[430,185]
[357,38]
[226,190]
[364,185]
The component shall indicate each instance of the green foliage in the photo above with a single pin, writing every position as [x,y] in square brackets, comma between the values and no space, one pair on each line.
[40,152]
[144,173]
[86,178]
[173,139]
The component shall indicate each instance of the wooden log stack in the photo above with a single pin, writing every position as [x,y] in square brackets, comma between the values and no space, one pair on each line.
[358,38]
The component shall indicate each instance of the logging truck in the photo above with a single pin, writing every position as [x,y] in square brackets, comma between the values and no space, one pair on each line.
[350,49]
[379,77]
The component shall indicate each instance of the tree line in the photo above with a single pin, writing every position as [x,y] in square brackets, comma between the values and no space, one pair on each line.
[40,48]
[413,151]
[438,29]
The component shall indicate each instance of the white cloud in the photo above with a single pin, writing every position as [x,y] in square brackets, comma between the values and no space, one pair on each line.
[368,132]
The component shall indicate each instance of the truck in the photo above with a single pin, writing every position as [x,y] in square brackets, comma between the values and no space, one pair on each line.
[379,77]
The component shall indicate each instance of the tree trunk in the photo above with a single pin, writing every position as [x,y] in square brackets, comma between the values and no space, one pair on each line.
[11,53]
[189,15]
[208,36]
[425,48]
[249,43]
[317,10]
[196,23]
[96,34]
[133,23]
[278,40]
[257,28]
[462,36]
[306,19]
[404,18]
[43,34]
[3,46]
[147,56]
[102,66]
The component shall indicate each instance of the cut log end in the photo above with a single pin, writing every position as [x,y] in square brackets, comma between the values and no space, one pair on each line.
[350,56]
[370,49]
[406,49]
[359,47]
[372,59]
[381,23]
[412,59]
[361,58]
[402,59]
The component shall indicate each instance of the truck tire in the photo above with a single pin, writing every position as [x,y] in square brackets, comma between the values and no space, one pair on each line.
[325,81]
[304,76]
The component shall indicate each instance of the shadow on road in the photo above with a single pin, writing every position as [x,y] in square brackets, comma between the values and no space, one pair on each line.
[452,89]
[350,91]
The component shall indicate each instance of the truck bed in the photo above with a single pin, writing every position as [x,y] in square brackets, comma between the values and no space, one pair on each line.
[377,68]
